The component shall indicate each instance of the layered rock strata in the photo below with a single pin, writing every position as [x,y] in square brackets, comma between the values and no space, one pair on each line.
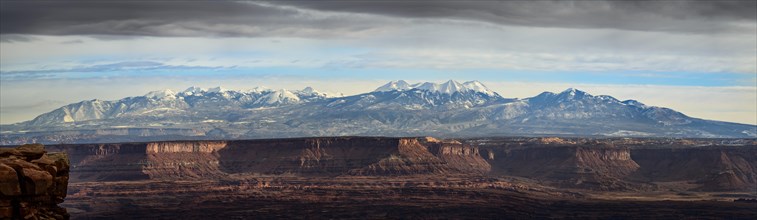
[591,164]
[643,164]
[329,156]
[32,183]
[569,166]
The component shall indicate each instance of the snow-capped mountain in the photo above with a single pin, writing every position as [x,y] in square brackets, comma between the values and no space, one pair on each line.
[395,109]
[448,95]
[399,85]
[276,98]
[165,103]
[449,87]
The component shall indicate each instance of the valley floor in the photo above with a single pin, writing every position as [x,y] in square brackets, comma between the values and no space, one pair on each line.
[361,197]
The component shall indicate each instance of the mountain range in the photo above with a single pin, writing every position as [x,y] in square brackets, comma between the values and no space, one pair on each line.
[398,108]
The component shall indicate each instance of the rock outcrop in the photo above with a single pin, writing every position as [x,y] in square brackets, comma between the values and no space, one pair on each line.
[716,168]
[596,167]
[326,156]
[32,183]
[597,164]
[632,164]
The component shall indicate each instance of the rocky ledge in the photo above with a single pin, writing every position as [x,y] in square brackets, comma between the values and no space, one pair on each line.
[32,183]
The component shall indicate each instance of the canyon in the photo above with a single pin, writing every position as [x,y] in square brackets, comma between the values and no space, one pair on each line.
[414,177]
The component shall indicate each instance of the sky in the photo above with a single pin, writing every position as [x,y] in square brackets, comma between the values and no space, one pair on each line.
[697,57]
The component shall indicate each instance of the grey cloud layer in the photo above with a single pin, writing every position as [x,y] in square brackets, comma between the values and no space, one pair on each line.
[668,16]
[289,18]
[167,18]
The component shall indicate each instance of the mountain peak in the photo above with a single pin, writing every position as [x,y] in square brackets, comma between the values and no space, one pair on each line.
[572,91]
[309,90]
[451,86]
[448,87]
[194,89]
[257,89]
[478,87]
[161,94]
[218,89]
[399,85]
[281,96]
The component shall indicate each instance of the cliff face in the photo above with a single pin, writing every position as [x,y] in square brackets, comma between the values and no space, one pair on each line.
[32,183]
[715,168]
[571,166]
[464,158]
[308,157]
[589,165]
[302,156]
[105,162]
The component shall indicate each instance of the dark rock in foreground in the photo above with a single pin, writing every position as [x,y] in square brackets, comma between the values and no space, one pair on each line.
[32,183]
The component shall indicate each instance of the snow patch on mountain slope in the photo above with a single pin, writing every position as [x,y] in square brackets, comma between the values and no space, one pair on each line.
[218,89]
[281,96]
[399,85]
[449,87]
[309,91]
[626,133]
[165,94]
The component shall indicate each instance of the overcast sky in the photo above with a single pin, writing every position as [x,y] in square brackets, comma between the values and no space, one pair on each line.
[698,57]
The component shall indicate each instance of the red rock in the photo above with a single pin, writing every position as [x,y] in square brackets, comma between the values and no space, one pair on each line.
[32,183]
[9,181]
[60,161]
[8,152]
[32,151]
[6,212]
[36,182]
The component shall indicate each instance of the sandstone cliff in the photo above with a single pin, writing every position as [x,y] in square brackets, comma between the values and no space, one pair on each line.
[596,167]
[717,168]
[327,156]
[590,164]
[605,167]
[32,183]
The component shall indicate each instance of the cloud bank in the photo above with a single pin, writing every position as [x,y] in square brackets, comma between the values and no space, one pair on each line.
[313,18]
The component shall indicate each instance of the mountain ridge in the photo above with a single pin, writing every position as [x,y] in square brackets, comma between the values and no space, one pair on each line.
[396,108]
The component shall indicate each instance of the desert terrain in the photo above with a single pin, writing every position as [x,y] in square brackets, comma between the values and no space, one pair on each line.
[414,178]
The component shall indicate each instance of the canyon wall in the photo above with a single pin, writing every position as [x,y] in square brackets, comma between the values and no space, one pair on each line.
[604,167]
[32,183]
[716,168]
[329,156]
[596,167]
[590,165]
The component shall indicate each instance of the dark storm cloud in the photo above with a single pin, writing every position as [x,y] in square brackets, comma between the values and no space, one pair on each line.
[159,18]
[227,18]
[668,16]
[121,18]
